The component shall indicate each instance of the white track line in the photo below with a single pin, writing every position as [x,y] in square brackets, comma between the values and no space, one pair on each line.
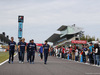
[7,60]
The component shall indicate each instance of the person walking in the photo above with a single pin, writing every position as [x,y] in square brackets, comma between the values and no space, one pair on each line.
[19,51]
[11,48]
[46,48]
[41,52]
[28,56]
[22,47]
[32,48]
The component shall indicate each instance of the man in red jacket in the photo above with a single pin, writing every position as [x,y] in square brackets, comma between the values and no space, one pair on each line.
[63,51]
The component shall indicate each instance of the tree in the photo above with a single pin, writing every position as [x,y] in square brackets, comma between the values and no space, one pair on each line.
[93,38]
[83,38]
[90,39]
[97,39]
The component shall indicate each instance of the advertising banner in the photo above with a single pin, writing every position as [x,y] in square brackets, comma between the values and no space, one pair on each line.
[20,18]
[20,29]
[79,41]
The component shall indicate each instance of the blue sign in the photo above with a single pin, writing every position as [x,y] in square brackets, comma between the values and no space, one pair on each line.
[20,29]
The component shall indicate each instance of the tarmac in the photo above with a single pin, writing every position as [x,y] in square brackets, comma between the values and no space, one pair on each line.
[54,66]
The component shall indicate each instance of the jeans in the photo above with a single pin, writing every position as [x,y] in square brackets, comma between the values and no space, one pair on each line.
[45,56]
[94,57]
[19,56]
[98,59]
[65,55]
[84,58]
[90,58]
[11,54]
[22,55]
[62,55]
[73,55]
[32,55]
[76,58]
[41,55]
[27,55]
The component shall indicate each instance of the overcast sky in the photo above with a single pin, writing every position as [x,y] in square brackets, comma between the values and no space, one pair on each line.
[44,17]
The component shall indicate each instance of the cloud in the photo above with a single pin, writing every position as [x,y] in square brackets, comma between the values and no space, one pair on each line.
[43,17]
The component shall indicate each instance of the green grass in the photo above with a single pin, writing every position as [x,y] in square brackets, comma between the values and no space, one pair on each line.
[4,56]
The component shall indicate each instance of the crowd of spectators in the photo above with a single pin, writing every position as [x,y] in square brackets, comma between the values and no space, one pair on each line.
[89,54]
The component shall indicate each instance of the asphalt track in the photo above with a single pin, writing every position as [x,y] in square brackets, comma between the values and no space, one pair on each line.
[54,66]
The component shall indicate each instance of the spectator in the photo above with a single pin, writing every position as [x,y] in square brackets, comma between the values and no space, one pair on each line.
[58,53]
[76,54]
[97,53]
[91,53]
[65,54]
[86,53]
[73,52]
[84,56]
[63,50]
[70,51]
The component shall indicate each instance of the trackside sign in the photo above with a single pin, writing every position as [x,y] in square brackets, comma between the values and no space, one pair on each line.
[79,41]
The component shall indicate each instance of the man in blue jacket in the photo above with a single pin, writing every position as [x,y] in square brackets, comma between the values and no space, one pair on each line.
[41,52]
[46,51]
[32,48]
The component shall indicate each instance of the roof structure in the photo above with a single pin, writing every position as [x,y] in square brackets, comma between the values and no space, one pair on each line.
[67,31]
[54,37]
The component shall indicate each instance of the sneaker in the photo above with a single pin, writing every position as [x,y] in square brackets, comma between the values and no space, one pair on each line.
[22,62]
[96,65]
[19,61]
[45,63]
[12,62]
[32,62]
[9,62]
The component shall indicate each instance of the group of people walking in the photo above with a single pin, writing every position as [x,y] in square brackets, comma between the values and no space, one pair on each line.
[30,48]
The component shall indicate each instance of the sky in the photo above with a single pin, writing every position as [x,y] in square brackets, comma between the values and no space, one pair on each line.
[42,18]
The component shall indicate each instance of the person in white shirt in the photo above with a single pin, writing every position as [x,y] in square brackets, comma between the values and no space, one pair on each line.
[76,54]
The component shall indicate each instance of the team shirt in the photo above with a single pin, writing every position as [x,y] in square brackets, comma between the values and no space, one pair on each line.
[33,47]
[12,45]
[22,45]
[46,48]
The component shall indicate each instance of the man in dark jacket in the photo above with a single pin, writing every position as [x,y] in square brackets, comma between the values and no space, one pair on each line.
[32,48]
[11,48]
[46,48]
